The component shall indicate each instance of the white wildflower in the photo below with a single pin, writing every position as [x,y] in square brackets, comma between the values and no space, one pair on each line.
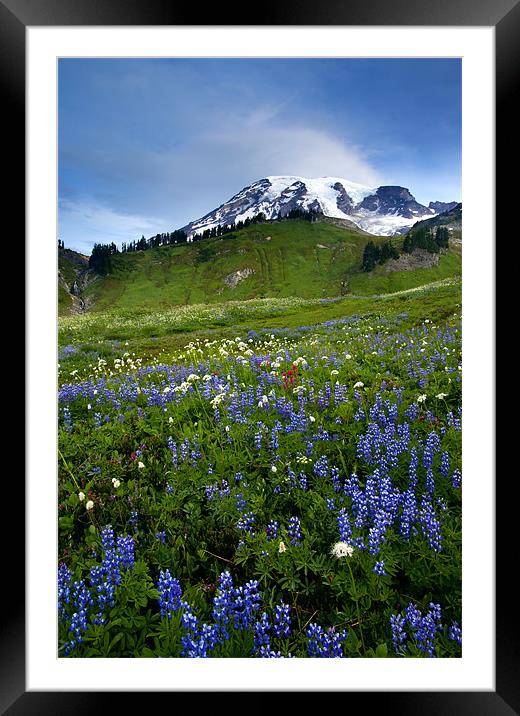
[89,505]
[140,465]
[421,398]
[342,549]
[281,547]
[81,496]
[359,384]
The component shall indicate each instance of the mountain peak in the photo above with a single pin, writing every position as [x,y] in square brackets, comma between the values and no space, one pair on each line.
[383,210]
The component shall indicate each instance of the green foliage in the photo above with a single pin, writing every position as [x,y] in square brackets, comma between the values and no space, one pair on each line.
[427,239]
[442,237]
[374,255]
[290,258]
[99,461]
[100,259]
[371,256]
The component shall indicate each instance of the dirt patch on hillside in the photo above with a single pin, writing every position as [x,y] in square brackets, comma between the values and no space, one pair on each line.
[419,258]
[233,279]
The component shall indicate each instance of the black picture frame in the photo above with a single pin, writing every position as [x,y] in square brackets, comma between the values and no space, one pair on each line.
[504,16]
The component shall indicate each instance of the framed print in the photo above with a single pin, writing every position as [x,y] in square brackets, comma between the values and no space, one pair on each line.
[81,164]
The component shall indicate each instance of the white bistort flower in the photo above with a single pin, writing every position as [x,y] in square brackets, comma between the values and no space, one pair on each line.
[89,505]
[342,549]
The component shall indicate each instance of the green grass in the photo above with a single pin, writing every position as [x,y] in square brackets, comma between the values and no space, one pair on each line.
[379,282]
[300,259]
[161,334]
[64,300]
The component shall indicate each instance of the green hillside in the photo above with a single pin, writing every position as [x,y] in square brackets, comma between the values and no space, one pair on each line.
[279,259]
[452,220]
[379,281]
[70,265]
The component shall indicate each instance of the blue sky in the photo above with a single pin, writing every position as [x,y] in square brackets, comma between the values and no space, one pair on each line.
[147,145]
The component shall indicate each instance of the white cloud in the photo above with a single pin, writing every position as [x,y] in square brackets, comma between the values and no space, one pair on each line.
[86,222]
[154,191]
[206,171]
[266,147]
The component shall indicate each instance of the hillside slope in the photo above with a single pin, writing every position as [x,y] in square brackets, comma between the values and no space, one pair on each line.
[71,266]
[276,259]
[451,218]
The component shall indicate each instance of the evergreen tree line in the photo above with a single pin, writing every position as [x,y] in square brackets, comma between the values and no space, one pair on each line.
[100,259]
[374,254]
[165,239]
[432,241]
[220,230]
[260,218]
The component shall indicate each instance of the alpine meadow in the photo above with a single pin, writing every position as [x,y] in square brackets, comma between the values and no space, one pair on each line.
[259,410]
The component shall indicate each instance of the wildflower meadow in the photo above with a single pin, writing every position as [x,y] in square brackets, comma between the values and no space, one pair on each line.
[277,492]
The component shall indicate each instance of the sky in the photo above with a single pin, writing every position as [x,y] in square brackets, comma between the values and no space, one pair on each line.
[147,145]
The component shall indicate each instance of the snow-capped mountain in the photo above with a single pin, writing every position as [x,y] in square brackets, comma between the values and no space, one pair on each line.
[383,210]
[441,206]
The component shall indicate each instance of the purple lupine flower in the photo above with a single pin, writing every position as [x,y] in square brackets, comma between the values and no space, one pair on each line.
[282,620]
[294,530]
[455,633]
[170,593]
[325,644]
